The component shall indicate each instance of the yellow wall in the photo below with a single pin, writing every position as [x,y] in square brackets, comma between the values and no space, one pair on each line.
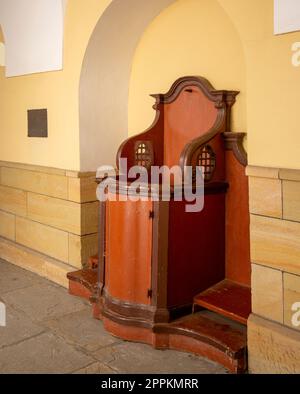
[57,91]
[272,84]
[231,42]
[191,37]
[195,37]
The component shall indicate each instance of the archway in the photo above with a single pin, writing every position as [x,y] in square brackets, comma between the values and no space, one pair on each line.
[106,76]
[104,82]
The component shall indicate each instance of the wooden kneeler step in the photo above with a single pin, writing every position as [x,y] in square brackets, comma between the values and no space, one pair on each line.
[227,298]
[210,335]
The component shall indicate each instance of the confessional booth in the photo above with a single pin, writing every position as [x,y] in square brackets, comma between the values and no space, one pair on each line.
[165,276]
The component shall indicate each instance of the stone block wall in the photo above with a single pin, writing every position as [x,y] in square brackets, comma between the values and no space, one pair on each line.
[273,336]
[49,213]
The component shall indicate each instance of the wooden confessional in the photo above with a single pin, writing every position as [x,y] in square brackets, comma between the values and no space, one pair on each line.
[164,276]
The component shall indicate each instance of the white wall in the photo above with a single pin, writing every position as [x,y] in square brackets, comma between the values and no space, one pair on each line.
[33,31]
[286,16]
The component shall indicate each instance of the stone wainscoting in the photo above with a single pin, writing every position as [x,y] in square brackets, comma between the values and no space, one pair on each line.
[48,219]
[273,339]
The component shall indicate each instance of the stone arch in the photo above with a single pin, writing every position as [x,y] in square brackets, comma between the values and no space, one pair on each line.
[105,78]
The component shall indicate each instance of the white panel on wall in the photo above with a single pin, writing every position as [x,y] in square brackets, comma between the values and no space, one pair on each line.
[2,54]
[286,16]
[33,31]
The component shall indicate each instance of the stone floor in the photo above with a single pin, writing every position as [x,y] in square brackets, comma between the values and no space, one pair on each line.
[48,331]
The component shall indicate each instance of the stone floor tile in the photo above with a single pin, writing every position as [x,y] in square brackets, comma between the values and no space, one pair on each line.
[13,278]
[43,301]
[96,368]
[81,329]
[130,357]
[52,332]
[18,327]
[44,353]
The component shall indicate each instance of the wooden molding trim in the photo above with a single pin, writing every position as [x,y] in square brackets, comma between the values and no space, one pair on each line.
[223,100]
[203,84]
[183,338]
[126,313]
[234,142]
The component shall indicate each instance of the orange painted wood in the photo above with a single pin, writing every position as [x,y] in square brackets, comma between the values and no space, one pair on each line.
[191,345]
[228,336]
[79,290]
[83,283]
[128,333]
[191,115]
[93,262]
[238,266]
[86,277]
[97,308]
[204,333]
[128,250]
[227,298]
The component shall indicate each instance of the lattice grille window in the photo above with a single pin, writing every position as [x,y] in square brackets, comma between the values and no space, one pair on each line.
[207,160]
[143,154]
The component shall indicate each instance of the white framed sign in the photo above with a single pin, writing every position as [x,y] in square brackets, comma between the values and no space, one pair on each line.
[286,16]
[33,31]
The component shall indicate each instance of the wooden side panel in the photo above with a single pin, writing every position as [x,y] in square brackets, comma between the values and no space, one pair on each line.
[238,267]
[217,144]
[196,249]
[128,250]
[154,134]
[191,115]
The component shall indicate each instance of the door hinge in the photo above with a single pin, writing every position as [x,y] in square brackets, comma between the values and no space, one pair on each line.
[149,293]
[151,214]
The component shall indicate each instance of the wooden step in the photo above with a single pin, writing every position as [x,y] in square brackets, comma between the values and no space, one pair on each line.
[227,298]
[210,335]
[83,283]
[93,262]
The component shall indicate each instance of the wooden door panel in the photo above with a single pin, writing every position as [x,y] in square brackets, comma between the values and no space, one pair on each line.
[128,250]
